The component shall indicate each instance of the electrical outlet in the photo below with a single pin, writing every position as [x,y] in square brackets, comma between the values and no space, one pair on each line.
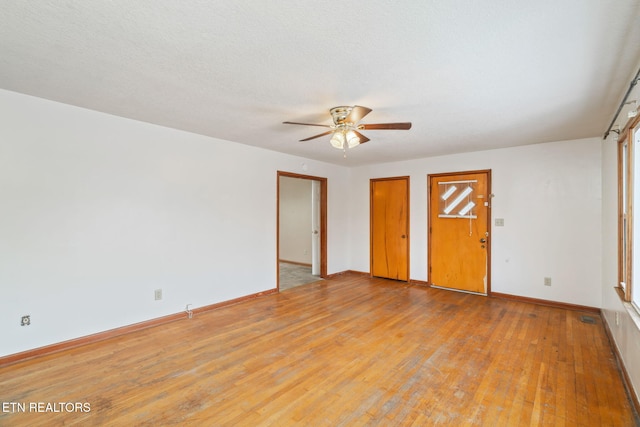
[158,294]
[499,222]
[547,281]
[26,320]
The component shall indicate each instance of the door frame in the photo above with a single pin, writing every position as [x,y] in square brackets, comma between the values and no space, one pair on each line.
[323,221]
[406,178]
[489,216]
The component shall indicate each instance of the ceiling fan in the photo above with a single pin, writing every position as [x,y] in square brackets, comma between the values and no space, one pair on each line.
[346,127]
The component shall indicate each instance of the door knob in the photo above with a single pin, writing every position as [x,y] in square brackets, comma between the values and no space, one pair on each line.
[403,236]
[483,240]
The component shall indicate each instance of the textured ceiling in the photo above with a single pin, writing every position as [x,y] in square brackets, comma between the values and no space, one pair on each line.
[469,74]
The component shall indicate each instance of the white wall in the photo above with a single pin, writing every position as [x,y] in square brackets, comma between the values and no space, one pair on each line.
[98,211]
[295,219]
[618,315]
[549,196]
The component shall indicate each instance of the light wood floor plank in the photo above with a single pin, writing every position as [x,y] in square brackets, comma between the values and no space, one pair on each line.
[348,351]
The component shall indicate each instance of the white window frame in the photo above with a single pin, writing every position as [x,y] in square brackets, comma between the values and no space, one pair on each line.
[628,224]
[633,292]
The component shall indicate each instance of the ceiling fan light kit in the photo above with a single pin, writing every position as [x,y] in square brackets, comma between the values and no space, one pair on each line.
[344,138]
[346,127]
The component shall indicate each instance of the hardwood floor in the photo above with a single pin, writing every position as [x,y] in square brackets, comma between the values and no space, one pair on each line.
[348,351]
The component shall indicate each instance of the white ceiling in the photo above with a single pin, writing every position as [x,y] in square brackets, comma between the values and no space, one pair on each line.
[469,74]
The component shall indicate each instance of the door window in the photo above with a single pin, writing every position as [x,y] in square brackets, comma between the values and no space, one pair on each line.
[457,199]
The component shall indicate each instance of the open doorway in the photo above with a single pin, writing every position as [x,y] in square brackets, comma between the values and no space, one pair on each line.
[301,229]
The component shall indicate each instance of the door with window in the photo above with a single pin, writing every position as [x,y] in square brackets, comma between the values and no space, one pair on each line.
[459,239]
[390,228]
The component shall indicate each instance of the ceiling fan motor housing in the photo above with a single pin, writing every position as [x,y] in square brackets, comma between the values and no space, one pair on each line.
[339,114]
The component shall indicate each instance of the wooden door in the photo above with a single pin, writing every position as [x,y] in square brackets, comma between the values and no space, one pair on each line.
[390,228]
[459,238]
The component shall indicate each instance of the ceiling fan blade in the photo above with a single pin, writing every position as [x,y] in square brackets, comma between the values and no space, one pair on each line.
[357,113]
[362,138]
[377,126]
[317,136]
[305,124]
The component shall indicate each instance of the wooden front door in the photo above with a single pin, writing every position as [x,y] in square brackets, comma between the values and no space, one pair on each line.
[459,238]
[390,228]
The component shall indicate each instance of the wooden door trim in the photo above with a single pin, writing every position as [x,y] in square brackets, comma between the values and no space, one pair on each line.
[430,177]
[323,221]
[408,244]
